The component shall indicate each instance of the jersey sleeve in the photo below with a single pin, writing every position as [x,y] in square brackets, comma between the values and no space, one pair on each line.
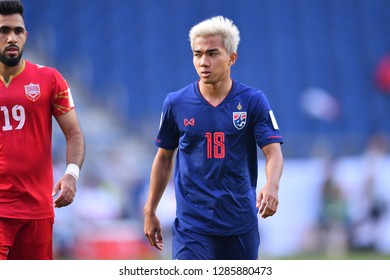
[168,134]
[62,101]
[266,128]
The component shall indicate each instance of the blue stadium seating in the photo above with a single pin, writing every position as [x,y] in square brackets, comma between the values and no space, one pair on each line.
[139,51]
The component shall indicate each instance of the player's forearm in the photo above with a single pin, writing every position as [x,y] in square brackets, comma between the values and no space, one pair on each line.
[159,179]
[274,165]
[75,148]
[155,194]
[273,170]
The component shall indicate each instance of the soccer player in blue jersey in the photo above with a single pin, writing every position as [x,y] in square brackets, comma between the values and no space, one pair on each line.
[215,125]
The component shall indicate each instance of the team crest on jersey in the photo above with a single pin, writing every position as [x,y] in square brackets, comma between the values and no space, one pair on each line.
[33,92]
[239,119]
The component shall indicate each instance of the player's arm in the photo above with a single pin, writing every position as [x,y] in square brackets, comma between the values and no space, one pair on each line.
[75,153]
[267,199]
[159,178]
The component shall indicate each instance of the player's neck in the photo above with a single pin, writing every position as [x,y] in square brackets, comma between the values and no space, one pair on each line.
[215,93]
[7,72]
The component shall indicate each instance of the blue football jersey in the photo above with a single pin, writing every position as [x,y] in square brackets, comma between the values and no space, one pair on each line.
[215,172]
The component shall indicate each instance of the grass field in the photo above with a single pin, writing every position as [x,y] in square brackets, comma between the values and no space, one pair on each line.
[356,255]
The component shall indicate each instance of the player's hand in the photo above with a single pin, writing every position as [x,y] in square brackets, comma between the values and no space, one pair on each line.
[67,187]
[267,201]
[153,232]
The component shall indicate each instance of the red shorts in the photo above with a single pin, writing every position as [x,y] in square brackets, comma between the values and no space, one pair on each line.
[25,239]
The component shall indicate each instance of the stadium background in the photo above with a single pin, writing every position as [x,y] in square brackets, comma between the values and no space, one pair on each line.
[322,65]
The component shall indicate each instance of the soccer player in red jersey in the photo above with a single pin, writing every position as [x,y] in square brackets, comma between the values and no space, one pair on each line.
[30,95]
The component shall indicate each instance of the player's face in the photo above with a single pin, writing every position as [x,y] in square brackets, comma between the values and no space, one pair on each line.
[211,60]
[13,36]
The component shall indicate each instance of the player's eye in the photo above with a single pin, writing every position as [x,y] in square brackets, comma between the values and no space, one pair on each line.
[19,31]
[4,30]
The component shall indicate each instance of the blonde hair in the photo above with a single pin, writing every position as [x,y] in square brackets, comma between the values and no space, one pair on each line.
[218,25]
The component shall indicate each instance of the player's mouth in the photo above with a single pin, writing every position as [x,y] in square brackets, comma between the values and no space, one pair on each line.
[205,74]
[12,50]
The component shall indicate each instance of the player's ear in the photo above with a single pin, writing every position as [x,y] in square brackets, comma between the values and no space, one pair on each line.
[233,58]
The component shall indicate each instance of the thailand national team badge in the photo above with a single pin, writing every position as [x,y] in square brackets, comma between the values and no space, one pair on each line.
[239,119]
[32,92]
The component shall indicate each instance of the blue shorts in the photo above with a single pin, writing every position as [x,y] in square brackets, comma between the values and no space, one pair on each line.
[188,245]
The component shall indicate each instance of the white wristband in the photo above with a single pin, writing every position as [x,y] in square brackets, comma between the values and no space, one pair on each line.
[73,169]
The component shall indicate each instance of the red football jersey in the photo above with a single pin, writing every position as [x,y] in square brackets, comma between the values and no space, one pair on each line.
[27,103]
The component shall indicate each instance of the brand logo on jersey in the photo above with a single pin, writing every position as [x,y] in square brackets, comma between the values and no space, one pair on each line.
[190,122]
[239,119]
[32,92]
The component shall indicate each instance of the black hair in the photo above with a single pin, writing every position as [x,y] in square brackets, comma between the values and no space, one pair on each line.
[10,7]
